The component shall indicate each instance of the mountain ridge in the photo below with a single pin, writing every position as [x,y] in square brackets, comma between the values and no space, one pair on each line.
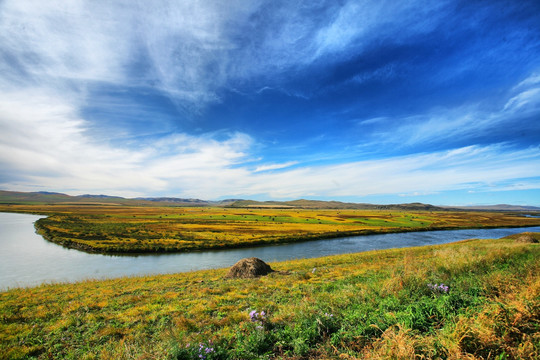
[47,197]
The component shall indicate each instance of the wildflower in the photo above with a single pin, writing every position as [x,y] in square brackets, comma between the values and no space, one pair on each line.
[439,288]
[328,315]
[255,316]
[204,350]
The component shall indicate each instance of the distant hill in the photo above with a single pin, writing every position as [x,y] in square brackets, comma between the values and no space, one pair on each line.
[88,196]
[317,204]
[46,197]
[499,207]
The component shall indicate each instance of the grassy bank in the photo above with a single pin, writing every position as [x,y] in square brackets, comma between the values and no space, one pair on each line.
[122,229]
[372,305]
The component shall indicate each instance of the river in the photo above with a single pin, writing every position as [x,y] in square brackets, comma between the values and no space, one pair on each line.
[26,259]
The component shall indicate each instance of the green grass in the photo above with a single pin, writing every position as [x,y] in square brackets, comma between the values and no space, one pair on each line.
[374,305]
[128,229]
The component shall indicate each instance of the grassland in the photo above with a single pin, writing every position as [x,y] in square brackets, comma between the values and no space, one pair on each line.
[374,305]
[124,229]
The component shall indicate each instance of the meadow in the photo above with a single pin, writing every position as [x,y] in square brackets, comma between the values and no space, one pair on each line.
[140,229]
[474,299]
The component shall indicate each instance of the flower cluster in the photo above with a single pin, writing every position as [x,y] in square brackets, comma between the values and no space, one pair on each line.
[204,350]
[328,315]
[259,318]
[254,316]
[439,288]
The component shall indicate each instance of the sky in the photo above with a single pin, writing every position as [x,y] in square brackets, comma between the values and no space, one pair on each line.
[359,101]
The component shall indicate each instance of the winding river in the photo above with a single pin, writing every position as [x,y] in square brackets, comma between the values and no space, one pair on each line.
[26,259]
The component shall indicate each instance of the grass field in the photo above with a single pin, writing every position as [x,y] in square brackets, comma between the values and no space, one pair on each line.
[376,305]
[122,229]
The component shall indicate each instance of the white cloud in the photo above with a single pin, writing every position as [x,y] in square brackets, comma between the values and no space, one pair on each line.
[189,50]
[275,166]
[47,145]
[528,99]
[64,41]
[357,22]
[533,79]
[461,122]
[423,173]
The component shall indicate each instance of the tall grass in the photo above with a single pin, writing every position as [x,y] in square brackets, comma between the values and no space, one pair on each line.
[374,305]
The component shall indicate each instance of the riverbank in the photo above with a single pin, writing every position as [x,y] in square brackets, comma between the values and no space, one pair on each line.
[378,304]
[138,230]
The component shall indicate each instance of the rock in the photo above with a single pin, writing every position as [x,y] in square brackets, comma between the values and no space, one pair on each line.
[249,268]
[527,238]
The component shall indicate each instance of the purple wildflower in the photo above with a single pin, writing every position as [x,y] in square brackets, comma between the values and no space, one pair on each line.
[203,349]
[439,288]
[253,315]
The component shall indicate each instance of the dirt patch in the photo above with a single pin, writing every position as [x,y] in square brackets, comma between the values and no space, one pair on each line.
[248,268]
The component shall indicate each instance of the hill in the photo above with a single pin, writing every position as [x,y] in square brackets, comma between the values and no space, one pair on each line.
[499,207]
[48,198]
[318,204]
[45,197]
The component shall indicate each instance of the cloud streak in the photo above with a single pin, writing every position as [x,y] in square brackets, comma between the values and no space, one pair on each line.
[470,121]
[55,151]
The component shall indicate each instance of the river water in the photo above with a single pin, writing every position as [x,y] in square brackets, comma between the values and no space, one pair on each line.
[26,259]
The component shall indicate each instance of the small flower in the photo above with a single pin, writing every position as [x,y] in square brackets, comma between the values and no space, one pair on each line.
[253,315]
[440,288]
[328,315]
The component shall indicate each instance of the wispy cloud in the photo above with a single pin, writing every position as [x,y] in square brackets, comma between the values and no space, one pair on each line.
[48,145]
[275,166]
[463,122]
[359,22]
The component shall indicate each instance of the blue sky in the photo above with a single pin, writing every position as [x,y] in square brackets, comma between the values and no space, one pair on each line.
[363,101]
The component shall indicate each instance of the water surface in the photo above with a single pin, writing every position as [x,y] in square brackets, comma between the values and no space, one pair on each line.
[26,259]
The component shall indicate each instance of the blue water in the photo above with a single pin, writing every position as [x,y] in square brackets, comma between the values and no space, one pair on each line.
[26,259]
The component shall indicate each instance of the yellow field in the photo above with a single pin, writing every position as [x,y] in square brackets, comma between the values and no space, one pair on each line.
[109,228]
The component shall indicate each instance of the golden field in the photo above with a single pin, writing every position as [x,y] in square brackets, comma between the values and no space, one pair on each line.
[121,229]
